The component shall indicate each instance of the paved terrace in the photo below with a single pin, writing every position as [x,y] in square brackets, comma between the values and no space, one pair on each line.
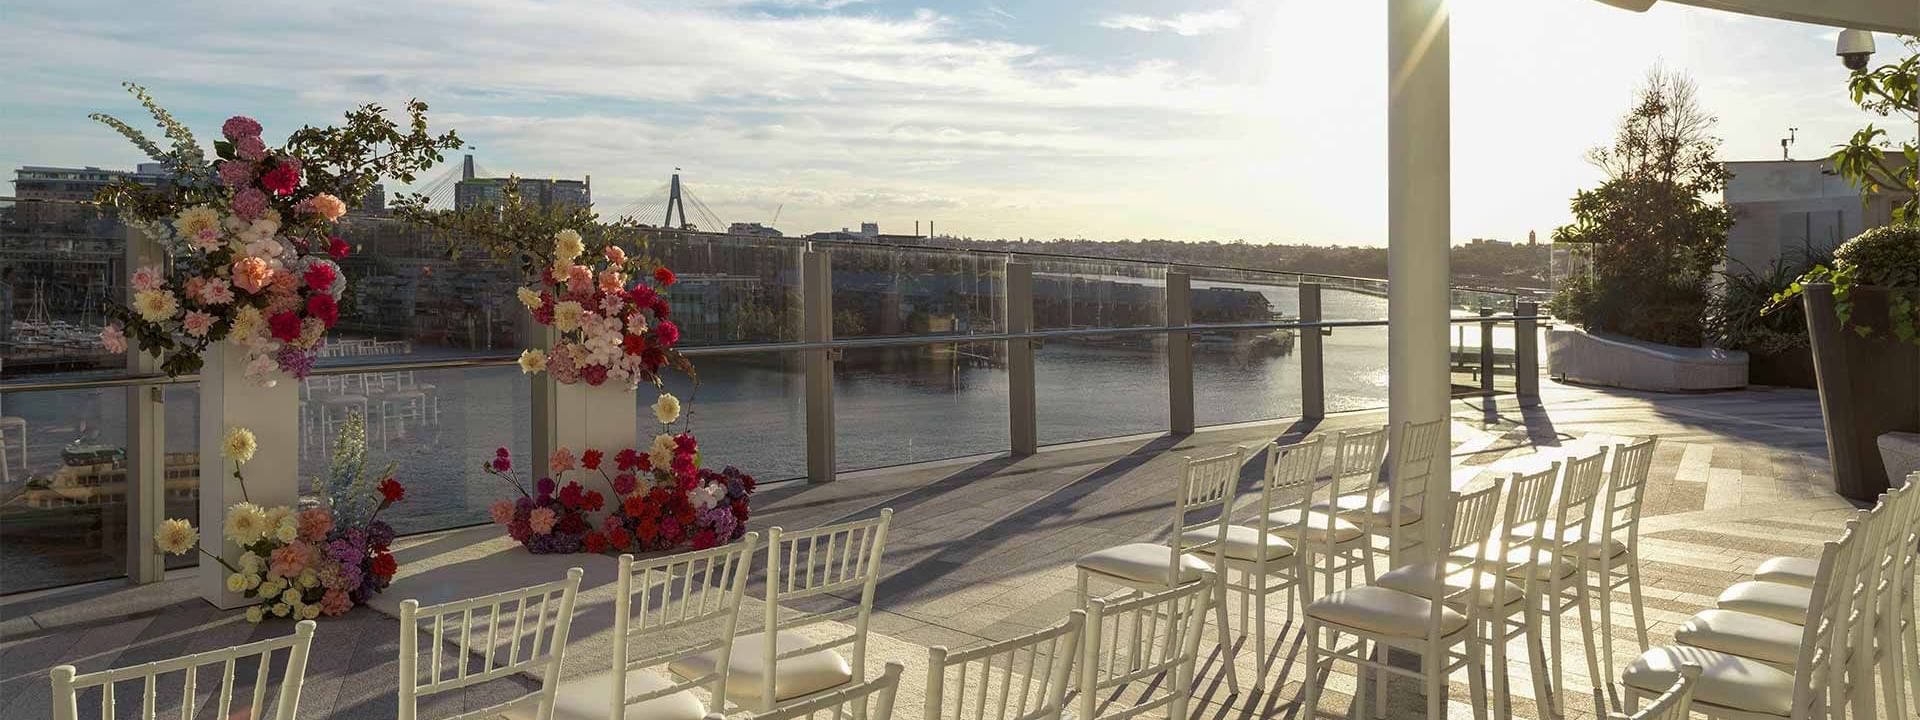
[983,549]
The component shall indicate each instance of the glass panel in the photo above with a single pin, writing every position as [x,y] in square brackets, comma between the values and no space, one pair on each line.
[750,412]
[183,461]
[1244,375]
[408,300]
[894,406]
[1356,357]
[1099,386]
[63,508]
[732,289]
[884,290]
[61,260]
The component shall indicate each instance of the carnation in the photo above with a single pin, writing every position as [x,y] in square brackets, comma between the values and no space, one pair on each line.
[249,203]
[239,127]
[567,245]
[283,178]
[113,339]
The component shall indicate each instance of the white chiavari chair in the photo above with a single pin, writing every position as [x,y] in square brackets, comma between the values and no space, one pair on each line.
[1138,653]
[1674,704]
[479,639]
[1287,485]
[1205,486]
[1022,678]
[872,699]
[779,664]
[69,683]
[1345,543]
[1392,619]
[1418,451]
[1613,554]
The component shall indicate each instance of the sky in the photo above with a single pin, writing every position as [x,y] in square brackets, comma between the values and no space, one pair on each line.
[1262,120]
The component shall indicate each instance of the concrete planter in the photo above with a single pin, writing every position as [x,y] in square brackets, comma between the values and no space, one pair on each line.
[1788,368]
[1622,362]
[1869,386]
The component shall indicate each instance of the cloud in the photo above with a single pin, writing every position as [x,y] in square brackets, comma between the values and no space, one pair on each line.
[1186,24]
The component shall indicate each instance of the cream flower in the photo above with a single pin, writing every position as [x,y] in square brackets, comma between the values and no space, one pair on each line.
[236,582]
[247,324]
[253,581]
[310,612]
[287,533]
[661,454]
[666,409]
[249,563]
[566,316]
[278,515]
[245,523]
[567,245]
[529,298]
[239,447]
[255,614]
[308,578]
[281,609]
[263,371]
[290,597]
[196,221]
[155,305]
[532,361]
[176,537]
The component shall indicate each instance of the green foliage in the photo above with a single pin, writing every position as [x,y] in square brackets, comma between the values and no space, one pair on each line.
[520,232]
[1734,315]
[1654,235]
[1886,257]
[1867,160]
[350,159]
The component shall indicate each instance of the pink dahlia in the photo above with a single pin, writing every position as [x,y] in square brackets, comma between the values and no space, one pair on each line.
[542,520]
[501,512]
[240,126]
[249,203]
[236,173]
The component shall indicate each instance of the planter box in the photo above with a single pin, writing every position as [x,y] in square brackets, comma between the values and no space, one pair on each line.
[1868,387]
[1623,362]
[1900,452]
[1790,368]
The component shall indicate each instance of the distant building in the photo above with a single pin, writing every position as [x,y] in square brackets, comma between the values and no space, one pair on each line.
[1788,208]
[64,193]
[547,193]
[1490,241]
[374,202]
[878,238]
[869,229]
[754,228]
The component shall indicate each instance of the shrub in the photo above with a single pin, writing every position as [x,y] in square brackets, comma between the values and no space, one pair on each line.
[1887,257]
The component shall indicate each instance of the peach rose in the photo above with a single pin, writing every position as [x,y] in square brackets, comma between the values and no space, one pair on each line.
[252,274]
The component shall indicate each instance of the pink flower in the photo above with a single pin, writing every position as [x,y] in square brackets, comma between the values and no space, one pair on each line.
[235,173]
[198,323]
[206,240]
[328,207]
[240,126]
[250,148]
[542,520]
[315,524]
[148,278]
[666,332]
[337,247]
[615,255]
[113,339]
[502,464]
[216,291]
[290,559]
[580,279]
[335,602]
[501,512]
[249,203]
[610,282]
[252,274]
[323,307]
[561,461]
[625,483]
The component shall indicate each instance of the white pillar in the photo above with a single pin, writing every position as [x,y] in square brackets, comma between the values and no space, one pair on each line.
[228,400]
[1418,223]
[604,418]
[146,442]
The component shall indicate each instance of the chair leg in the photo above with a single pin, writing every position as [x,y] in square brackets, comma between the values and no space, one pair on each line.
[1256,628]
[1543,694]
[1502,699]
[1080,600]
[1225,635]
[1605,600]
[1594,669]
[1639,601]
[1555,648]
[1476,676]
[1311,704]
[1383,655]
[1432,669]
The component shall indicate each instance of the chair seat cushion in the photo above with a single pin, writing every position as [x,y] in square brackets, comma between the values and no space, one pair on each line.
[1744,634]
[1417,579]
[1383,611]
[1769,599]
[796,676]
[1142,563]
[1788,571]
[1381,510]
[1546,564]
[1317,524]
[589,697]
[1597,546]
[1243,543]
[1726,680]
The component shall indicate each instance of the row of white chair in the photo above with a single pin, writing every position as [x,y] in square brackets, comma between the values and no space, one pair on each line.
[1808,637]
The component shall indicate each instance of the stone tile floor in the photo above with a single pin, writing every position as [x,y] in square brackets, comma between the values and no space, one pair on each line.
[983,549]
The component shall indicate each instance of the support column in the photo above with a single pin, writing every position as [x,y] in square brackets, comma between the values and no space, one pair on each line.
[604,418]
[229,400]
[1313,370]
[1526,353]
[1022,423]
[146,443]
[816,305]
[1486,350]
[541,403]
[1179,354]
[1418,221]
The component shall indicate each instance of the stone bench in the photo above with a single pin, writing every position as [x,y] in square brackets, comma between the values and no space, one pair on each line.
[1617,361]
[1900,451]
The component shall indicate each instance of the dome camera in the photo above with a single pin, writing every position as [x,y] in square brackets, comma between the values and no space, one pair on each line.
[1855,48]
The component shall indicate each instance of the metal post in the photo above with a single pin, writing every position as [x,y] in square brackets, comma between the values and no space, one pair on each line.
[146,442]
[1179,354]
[816,304]
[1313,373]
[1022,427]
[1526,353]
[1486,350]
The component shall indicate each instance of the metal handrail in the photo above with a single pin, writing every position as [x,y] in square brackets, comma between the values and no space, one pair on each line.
[748,349]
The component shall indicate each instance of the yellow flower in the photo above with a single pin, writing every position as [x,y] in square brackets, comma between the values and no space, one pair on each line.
[529,298]
[245,523]
[290,597]
[566,316]
[533,361]
[255,615]
[253,581]
[236,582]
[287,532]
[281,609]
[661,455]
[249,563]
[247,323]
[239,447]
[310,612]
[567,245]
[666,409]
[155,305]
[308,578]
[176,537]
[195,220]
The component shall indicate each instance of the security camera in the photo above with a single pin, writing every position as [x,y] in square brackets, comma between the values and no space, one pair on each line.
[1855,48]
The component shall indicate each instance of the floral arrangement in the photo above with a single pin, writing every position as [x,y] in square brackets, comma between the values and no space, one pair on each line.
[547,518]
[251,253]
[302,563]
[612,324]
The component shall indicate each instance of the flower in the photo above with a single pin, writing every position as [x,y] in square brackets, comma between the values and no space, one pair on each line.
[260,371]
[240,126]
[625,483]
[198,323]
[113,339]
[215,291]
[335,602]
[529,298]
[666,409]
[627,460]
[561,461]
[663,276]
[148,278]
[320,275]
[283,178]
[596,542]
[328,207]
[591,459]
[315,524]
[236,582]
[501,511]
[249,203]
[337,247]
[532,361]
[285,326]
[280,609]
[545,486]
[392,491]
[567,245]
[566,316]
[287,532]
[176,537]
[324,308]
[252,274]
[246,522]
[667,332]
[155,306]
[255,614]
[234,174]
[384,565]
[239,446]
[289,560]
[615,255]
[542,520]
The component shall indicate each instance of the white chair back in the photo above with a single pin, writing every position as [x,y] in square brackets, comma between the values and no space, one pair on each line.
[1289,484]
[1417,452]
[529,624]
[1024,678]
[828,559]
[1573,506]
[1205,484]
[658,596]
[68,682]
[1358,454]
[861,701]
[1677,702]
[1469,521]
[1135,640]
[1627,491]
[1818,671]
[1529,501]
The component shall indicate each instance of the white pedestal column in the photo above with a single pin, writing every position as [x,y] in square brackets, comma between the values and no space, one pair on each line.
[604,418]
[228,399]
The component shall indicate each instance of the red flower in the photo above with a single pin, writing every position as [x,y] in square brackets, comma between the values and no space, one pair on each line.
[320,276]
[285,326]
[634,505]
[647,530]
[667,332]
[595,501]
[392,490]
[384,565]
[321,305]
[704,539]
[653,358]
[642,295]
[283,178]
[620,538]
[596,543]
[661,275]
[595,375]
[591,459]
[659,308]
[684,443]
[571,495]
[634,344]
[572,523]
[628,459]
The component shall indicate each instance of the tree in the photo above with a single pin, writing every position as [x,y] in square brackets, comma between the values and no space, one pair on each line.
[1891,90]
[1654,232]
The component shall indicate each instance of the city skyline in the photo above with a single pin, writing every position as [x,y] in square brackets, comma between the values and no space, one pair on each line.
[1113,120]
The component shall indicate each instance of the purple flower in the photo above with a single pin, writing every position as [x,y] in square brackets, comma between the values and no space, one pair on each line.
[235,173]
[544,487]
[344,552]
[249,203]
[352,575]
[240,126]
[523,505]
[502,464]
[295,361]
[380,533]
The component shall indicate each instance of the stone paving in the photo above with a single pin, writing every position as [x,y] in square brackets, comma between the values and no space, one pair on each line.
[983,549]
